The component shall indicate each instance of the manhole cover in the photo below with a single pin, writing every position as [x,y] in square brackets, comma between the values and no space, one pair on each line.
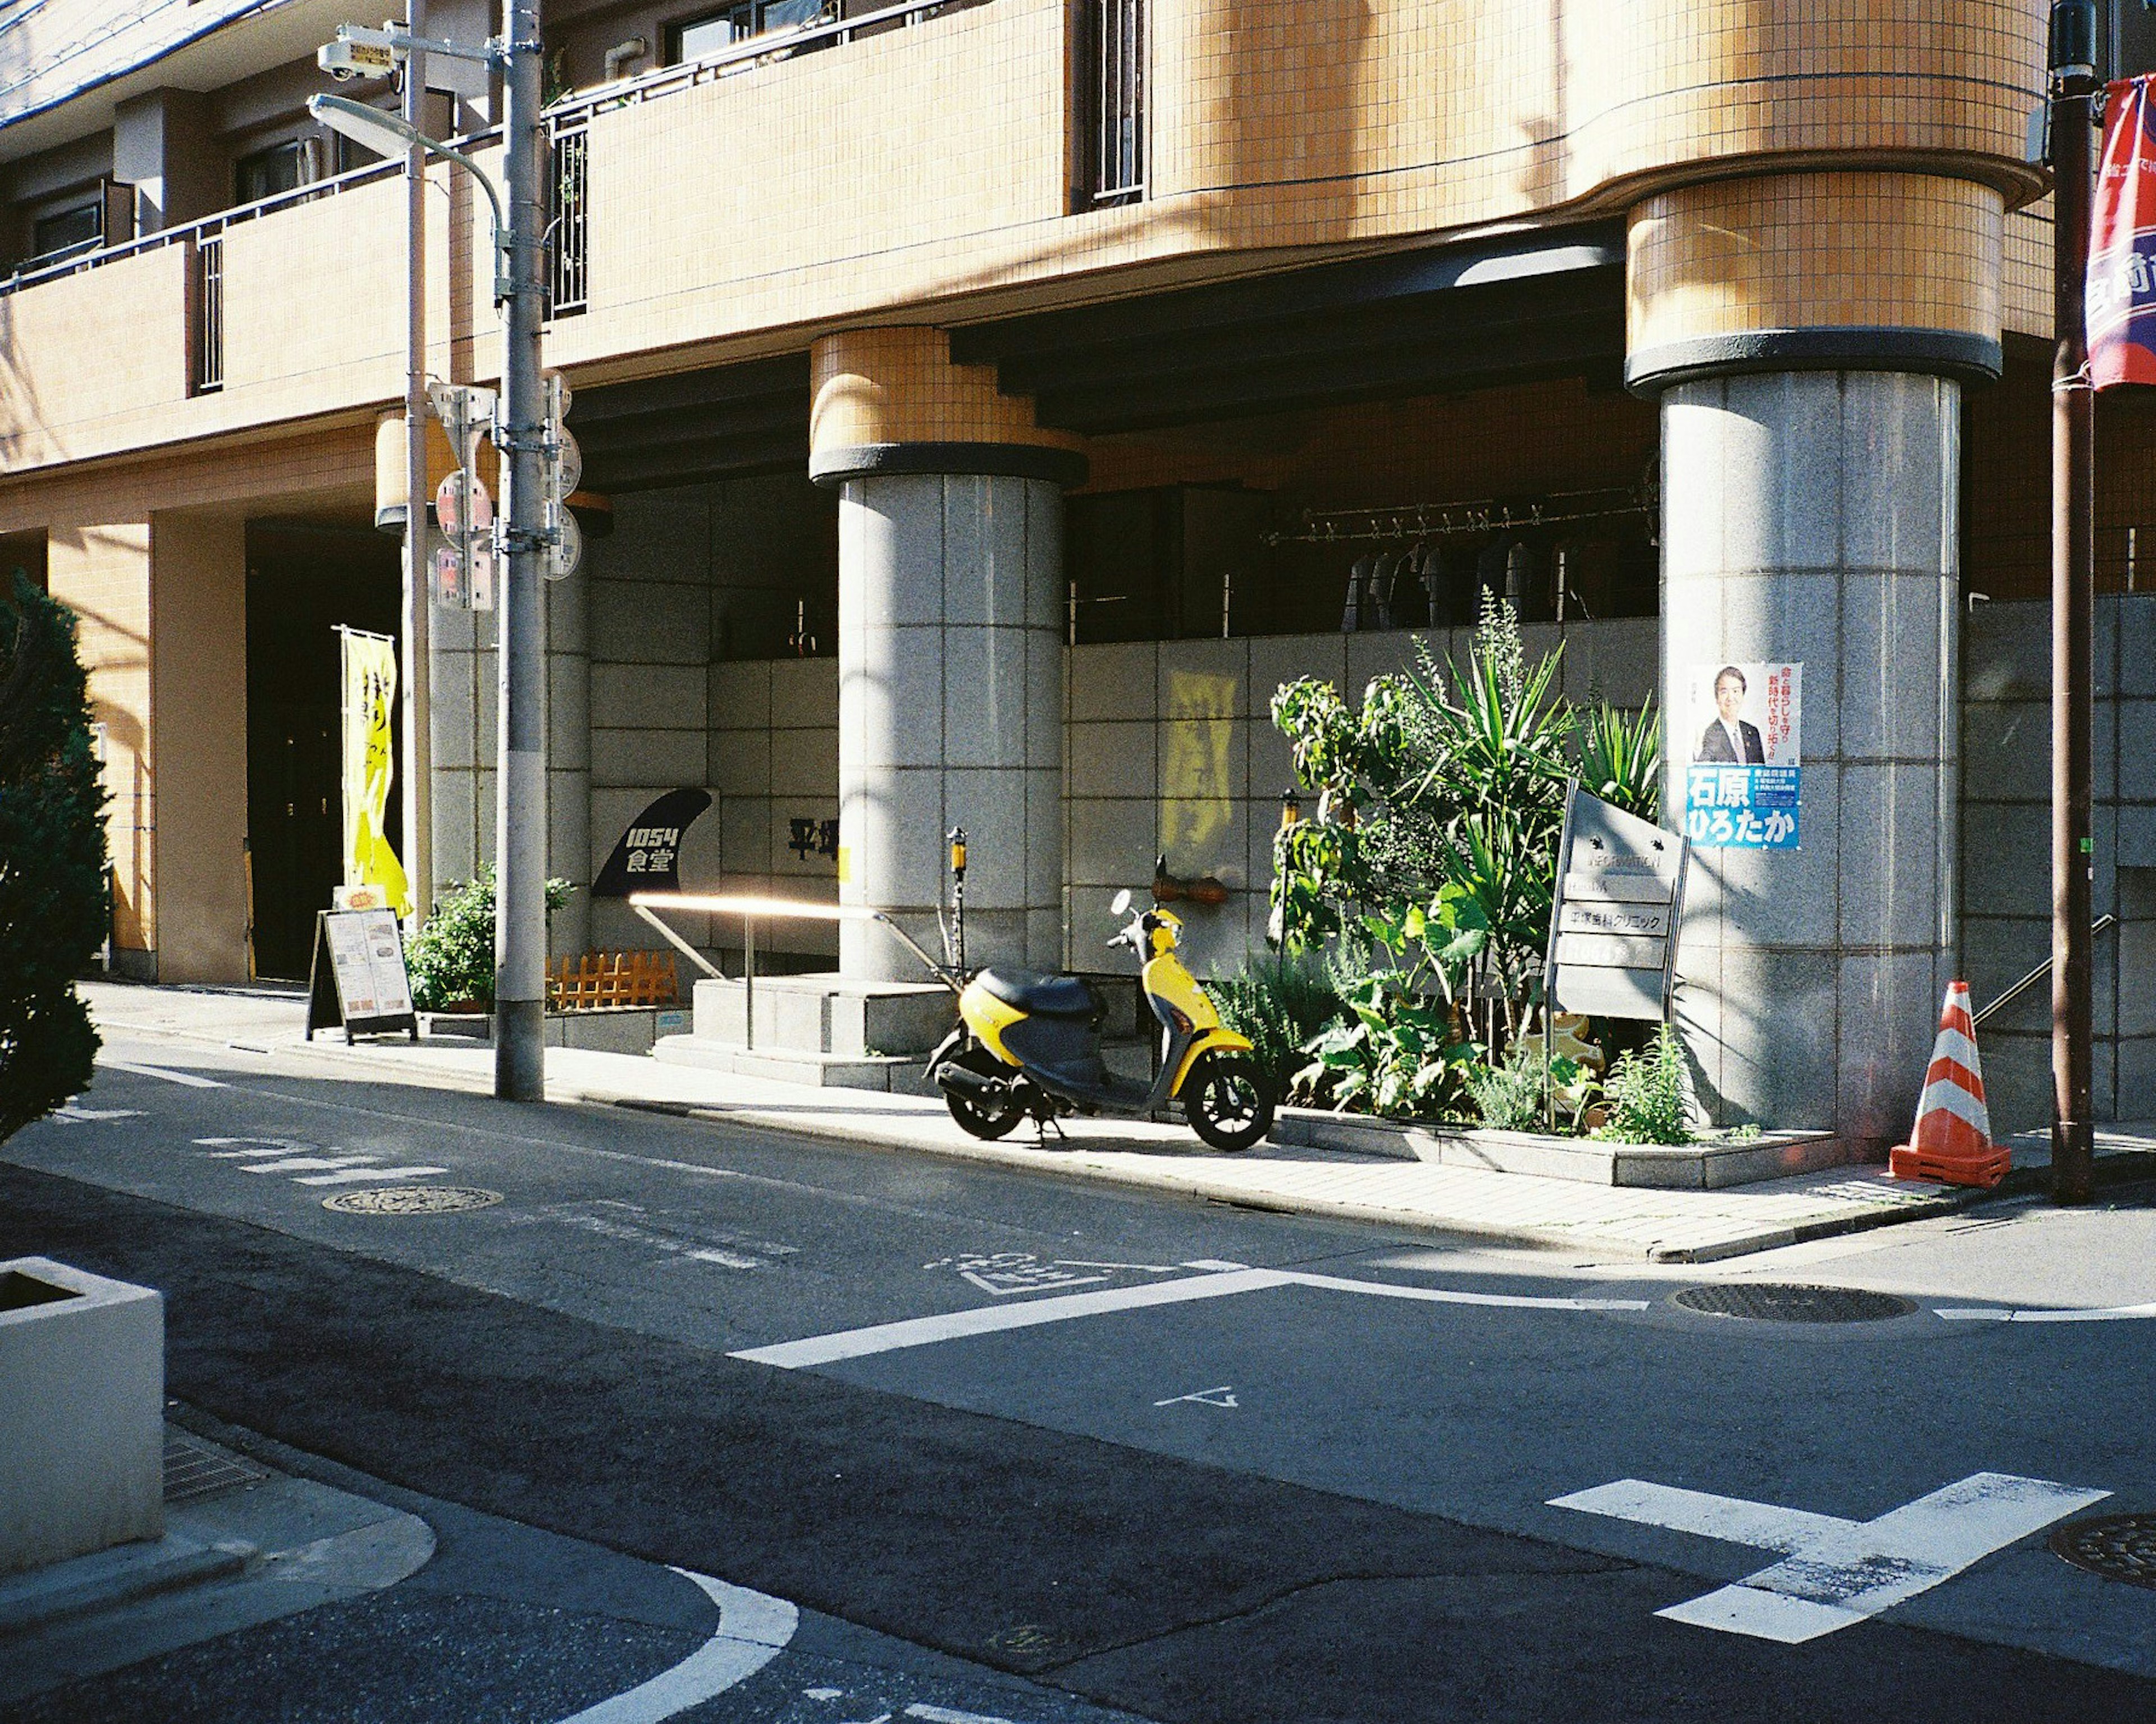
[412,1200]
[191,1470]
[1783,1302]
[2117,1547]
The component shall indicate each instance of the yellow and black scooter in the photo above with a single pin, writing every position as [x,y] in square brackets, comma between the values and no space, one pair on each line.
[1028,1046]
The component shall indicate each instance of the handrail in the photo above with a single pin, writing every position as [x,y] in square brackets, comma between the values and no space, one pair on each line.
[662,80]
[2106,920]
[751,911]
[209,226]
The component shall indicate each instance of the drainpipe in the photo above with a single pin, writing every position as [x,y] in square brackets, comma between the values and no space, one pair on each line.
[635,48]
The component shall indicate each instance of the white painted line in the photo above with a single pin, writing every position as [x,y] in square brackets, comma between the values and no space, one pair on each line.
[362,1175]
[989,1320]
[308,1163]
[185,1077]
[1441,1295]
[944,1715]
[753,1629]
[925,1331]
[2013,1314]
[1838,1572]
[75,1115]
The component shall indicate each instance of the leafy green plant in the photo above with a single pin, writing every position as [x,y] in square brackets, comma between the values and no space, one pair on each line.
[1649,1094]
[1395,1053]
[451,958]
[1281,1004]
[54,910]
[1620,758]
[1511,1096]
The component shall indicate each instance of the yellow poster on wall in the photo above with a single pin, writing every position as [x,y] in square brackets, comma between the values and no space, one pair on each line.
[370,765]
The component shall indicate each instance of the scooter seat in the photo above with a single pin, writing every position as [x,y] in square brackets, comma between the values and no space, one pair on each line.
[1050,996]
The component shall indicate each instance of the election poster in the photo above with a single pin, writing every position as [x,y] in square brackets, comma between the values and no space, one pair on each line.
[1743,729]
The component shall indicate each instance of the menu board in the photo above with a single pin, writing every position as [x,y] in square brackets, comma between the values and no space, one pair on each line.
[359,981]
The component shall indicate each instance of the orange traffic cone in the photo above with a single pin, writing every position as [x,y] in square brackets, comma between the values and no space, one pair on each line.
[1952,1141]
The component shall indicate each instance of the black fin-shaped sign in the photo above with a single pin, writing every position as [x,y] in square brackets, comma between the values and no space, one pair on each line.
[648,857]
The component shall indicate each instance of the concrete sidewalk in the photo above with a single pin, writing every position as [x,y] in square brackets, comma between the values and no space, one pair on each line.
[1658,1226]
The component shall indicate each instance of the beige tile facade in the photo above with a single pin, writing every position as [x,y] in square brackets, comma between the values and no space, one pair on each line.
[872,385]
[1813,251]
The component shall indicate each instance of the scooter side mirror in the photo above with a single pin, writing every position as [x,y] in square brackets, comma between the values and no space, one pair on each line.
[1120,903]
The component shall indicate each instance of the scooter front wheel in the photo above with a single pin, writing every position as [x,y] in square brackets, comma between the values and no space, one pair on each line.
[1227,1102]
[984,1118]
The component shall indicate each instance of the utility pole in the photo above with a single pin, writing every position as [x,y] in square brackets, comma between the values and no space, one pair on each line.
[520,934]
[2073,89]
[417,801]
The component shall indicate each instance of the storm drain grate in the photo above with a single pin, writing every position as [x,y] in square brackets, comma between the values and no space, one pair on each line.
[2117,1547]
[412,1200]
[192,1470]
[1786,1302]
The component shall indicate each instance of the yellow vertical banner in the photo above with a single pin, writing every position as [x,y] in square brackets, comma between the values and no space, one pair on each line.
[370,765]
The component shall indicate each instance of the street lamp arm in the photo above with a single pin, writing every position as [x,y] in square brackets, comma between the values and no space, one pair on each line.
[374,129]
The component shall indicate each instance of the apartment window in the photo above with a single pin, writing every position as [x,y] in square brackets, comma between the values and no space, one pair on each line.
[266,172]
[67,230]
[693,38]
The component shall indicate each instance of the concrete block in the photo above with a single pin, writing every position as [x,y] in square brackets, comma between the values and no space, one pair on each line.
[1279,659]
[804,764]
[805,693]
[2005,858]
[2006,651]
[740,763]
[983,696]
[1781,444]
[2006,751]
[1111,760]
[1900,436]
[740,695]
[1890,855]
[1778,1038]
[1045,699]
[82,1394]
[1114,680]
[623,759]
[1616,658]
[651,623]
[1693,468]
[647,696]
[2137,627]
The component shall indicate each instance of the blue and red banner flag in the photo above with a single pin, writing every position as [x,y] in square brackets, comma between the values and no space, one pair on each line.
[2121,294]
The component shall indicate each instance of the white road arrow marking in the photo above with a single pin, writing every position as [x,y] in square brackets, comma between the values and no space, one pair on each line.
[753,1629]
[1223,1396]
[1837,1573]
[2011,1314]
[307,1164]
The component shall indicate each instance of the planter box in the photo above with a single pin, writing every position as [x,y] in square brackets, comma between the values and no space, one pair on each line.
[607,1029]
[82,1412]
[1691,1166]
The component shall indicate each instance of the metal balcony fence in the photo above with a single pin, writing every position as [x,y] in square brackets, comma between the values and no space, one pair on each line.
[569,236]
[206,320]
[1112,80]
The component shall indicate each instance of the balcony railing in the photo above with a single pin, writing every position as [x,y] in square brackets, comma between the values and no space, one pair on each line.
[1112,83]
[39,271]
[206,316]
[745,55]
[568,234]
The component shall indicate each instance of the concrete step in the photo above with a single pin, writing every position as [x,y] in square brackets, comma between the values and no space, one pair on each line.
[831,1014]
[886,1072]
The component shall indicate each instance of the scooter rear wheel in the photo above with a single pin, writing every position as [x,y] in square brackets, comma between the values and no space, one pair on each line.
[984,1120]
[1227,1102]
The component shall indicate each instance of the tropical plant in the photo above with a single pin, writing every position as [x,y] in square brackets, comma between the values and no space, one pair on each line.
[451,958]
[1281,1004]
[1649,1094]
[1620,758]
[54,908]
[1441,806]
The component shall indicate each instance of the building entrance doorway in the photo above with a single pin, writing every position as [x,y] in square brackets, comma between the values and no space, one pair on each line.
[302,581]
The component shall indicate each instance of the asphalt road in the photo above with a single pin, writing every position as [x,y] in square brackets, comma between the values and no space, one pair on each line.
[1125,1457]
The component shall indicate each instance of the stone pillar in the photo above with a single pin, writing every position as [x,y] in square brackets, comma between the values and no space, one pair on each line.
[950,646]
[1807,352]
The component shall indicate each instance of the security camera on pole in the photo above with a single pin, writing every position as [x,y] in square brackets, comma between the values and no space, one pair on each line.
[530,446]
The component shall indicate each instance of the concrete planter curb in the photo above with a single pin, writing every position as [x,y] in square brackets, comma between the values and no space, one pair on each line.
[82,1390]
[606,1030]
[1691,1166]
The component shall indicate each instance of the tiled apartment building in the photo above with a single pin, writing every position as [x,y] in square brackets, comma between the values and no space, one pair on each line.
[990,403]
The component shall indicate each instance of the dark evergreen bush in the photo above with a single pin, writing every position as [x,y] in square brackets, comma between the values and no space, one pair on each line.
[54,908]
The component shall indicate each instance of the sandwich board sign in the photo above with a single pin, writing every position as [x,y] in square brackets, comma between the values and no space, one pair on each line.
[357,980]
[1613,941]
